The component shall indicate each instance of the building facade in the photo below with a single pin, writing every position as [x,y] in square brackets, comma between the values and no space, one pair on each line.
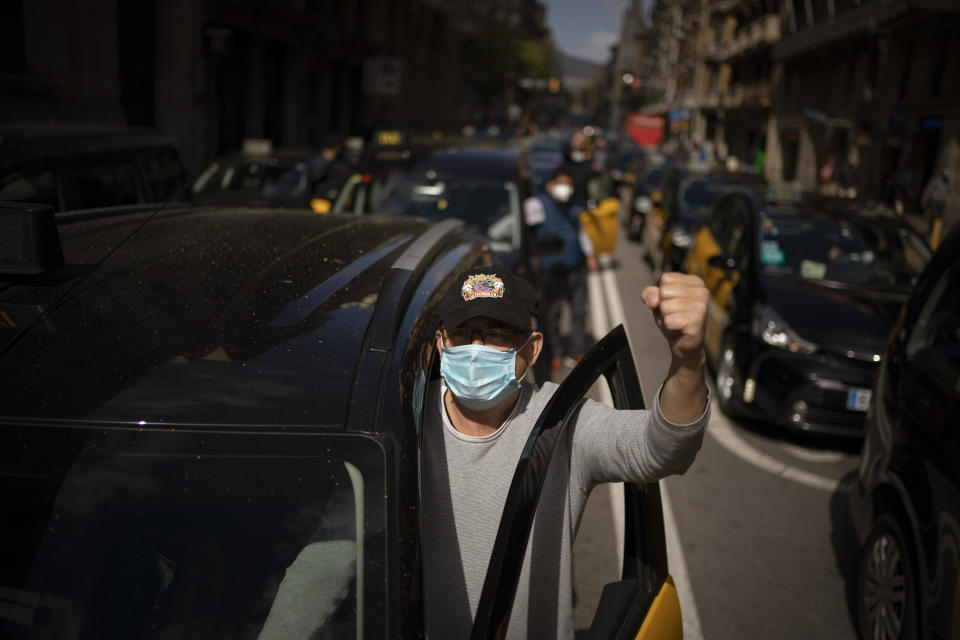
[874,81]
[214,72]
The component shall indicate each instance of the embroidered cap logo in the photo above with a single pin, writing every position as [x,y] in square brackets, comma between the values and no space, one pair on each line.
[482,285]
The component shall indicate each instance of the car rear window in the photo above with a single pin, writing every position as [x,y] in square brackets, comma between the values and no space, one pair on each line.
[39,186]
[121,533]
[106,184]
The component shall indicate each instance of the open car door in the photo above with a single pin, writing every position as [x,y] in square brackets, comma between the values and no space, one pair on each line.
[643,603]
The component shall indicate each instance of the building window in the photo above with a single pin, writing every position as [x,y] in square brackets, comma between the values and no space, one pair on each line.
[13,57]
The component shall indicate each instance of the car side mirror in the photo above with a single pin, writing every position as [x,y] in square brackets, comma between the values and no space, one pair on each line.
[722,262]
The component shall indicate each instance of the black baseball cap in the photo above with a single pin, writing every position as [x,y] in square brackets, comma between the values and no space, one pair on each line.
[493,292]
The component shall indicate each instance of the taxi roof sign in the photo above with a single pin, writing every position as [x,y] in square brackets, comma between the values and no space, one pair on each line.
[257,146]
[783,193]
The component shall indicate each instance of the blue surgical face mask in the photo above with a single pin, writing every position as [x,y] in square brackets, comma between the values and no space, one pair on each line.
[480,377]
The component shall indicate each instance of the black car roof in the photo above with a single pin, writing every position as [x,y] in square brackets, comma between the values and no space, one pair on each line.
[201,315]
[471,162]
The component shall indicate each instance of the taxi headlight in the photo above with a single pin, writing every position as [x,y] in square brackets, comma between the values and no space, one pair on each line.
[643,204]
[772,329]
[681,238]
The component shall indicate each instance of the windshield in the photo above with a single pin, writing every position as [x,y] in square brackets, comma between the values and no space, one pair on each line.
[265,179]
[653,178]
[149,534]
[485,205]
[698,194]
[847,250]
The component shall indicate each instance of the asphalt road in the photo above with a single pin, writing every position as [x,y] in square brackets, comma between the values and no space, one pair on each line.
[763,546]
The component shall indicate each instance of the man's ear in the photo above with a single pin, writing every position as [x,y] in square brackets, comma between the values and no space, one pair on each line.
[536,345]
[439,343]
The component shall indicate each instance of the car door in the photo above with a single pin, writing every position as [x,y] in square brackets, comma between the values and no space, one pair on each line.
[644,601]
[930,390]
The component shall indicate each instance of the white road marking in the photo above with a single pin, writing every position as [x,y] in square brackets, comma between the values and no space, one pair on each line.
[722,431]
[678,569]
[606,309]
[811,455]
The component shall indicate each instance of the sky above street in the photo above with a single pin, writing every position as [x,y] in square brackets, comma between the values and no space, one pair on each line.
[585,28]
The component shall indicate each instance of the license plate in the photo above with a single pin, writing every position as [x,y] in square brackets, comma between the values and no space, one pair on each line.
[858,399]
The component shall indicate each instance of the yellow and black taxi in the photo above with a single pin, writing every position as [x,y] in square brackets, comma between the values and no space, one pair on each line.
[804,292]
[210,417]
[905,500]
[380,168]
[80,166]
[261,175]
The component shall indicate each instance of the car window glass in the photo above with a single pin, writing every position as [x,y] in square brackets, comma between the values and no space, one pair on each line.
[719,222]
[698,193]
[164,174]
[38,187]
[106,185]
[152,534]
[938,324]
[737,245]
[850,250]
[479,203]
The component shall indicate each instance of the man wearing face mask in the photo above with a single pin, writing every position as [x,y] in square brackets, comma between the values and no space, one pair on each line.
[563,273]
[478,417]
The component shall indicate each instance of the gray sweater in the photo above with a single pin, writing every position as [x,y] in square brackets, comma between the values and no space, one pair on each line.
[465,484]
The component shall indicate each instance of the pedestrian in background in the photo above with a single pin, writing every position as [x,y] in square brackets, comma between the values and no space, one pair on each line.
[845,176]
[554,219]
[934,200]
[328,170]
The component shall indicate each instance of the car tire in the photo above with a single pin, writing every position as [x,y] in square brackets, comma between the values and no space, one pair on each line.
[886,584]
[725,379]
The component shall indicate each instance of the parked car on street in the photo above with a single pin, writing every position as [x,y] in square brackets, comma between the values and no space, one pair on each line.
[75,166]
[905,500]
[484,187]
[804,292]
[259,175]
[211,415]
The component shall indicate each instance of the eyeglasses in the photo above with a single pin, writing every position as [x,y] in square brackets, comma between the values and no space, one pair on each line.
[496,337]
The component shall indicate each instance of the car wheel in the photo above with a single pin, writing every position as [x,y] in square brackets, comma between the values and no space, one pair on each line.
[886,587]
[726,379]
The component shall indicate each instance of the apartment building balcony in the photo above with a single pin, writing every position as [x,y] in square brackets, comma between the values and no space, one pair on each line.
[762,32]
[752,95]
[867,17]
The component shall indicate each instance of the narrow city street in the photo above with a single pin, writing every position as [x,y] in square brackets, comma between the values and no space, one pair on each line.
[762,543]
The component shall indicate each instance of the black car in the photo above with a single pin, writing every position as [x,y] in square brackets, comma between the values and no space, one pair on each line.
[210,416]
[804,292]
[259,175]
[906,497]
[484,187]
[76,166]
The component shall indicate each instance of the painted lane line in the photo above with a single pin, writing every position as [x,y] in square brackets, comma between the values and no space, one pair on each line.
[722,431]
[811,455]
[599,322]
[678,569]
